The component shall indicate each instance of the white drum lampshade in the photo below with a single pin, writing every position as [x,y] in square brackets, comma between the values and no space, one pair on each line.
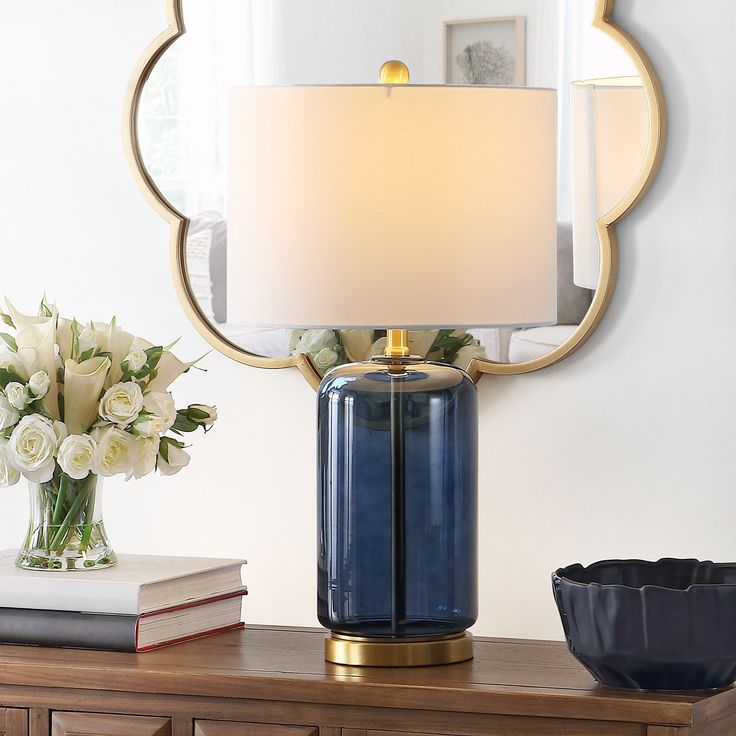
[392,206]
[610,134]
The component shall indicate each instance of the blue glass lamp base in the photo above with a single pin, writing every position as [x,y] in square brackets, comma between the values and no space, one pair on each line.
[397,520]
[359,651]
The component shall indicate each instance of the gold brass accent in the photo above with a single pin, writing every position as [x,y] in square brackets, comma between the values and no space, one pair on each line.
[360,651]
[394,72]
[603,20]
[397,344]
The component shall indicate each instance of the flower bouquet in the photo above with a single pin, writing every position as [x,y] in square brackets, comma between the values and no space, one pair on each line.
[79,402]
[331,348]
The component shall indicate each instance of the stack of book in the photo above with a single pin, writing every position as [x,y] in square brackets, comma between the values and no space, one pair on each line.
[142,603]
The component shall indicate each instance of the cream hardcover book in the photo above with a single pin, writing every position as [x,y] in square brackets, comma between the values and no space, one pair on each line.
[138,584]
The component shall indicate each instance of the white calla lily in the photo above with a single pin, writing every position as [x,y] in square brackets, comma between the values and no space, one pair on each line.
[168,370]
[37,349]
[111,339]
[421,341]
[357,343]
[21,320]
[64,338]
[83,383]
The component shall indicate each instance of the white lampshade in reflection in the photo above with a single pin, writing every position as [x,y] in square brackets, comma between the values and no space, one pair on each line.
[391,206]
[610,134]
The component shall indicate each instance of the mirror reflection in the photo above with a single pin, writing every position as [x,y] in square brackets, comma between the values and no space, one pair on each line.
[602,133]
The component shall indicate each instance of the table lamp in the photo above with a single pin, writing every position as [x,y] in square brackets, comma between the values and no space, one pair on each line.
[609,121]
[394,206]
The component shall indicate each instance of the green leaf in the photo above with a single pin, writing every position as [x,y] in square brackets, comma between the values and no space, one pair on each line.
[185,424]
[76,332]
[8,375]
[163,449]
[166,442]
[37,407]
[10,341]
[7,319]
[60,399]
[43,309]
[194,413]
[86,355]
[154,353]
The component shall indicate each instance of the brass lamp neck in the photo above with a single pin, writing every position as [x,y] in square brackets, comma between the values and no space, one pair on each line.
[397,344]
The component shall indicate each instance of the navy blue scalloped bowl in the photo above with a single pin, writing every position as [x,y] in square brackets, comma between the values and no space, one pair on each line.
[666,625]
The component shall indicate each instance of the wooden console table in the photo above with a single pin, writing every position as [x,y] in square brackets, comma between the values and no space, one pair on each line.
[274,682]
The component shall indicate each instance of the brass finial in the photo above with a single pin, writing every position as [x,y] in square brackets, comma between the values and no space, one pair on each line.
[394,72]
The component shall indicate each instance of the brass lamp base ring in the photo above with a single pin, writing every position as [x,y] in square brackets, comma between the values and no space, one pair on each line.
[359,651]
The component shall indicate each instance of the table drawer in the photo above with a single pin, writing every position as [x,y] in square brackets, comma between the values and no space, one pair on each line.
[13,722]
[100,724]
[231,728]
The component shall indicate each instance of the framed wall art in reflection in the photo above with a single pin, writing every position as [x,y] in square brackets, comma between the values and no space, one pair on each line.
[486,51]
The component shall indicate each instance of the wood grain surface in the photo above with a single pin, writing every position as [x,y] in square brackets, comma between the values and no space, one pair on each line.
[531,679]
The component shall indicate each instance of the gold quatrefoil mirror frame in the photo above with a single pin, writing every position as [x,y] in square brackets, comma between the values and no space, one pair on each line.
[606,225]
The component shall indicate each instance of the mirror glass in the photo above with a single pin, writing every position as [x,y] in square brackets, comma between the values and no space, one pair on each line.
[602,140]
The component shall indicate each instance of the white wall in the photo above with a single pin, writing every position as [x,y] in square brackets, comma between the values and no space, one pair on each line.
[627,448]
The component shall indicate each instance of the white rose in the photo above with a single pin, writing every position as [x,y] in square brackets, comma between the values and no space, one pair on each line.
[200,410]
[312,341]
[12,362]
[17,394]
[77,455]
[466,354]
[32,446]
[115,451]
[136,359]
[177,459]
[122,403]
[159,414]
[325,359]
[9,415]
[145,452]
[9,474]
[39,384]
[60,431]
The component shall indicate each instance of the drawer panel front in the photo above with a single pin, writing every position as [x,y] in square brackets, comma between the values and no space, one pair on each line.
[525,726]
[230,728]
[13,722]
[99,724]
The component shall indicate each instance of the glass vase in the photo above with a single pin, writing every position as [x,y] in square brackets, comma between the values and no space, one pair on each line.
[65,529]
